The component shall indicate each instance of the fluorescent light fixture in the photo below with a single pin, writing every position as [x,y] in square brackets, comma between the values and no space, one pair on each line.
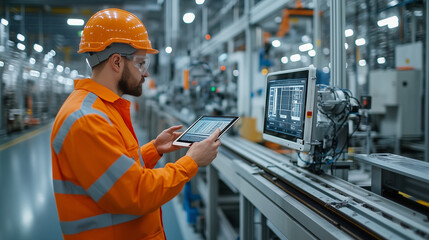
[284,60]
[381,60]
[348,32]
[360,41]
[20,46]
[236,73]
[222,57]
[60,68]
[276,43]
[390,22]
[346,45]
[362,62]
[34,73]
[392,3]
[199,2]
[20,37]
[312,53]
[418,13]
[4,22]
[295,58]
[37,47]
[50,66]
[32,61]
[305,39]
[74,73]
[325,70]
[1,64]
[69,81]
[168,49]
[75,22]
[188,17]
[326,51]
[305,47]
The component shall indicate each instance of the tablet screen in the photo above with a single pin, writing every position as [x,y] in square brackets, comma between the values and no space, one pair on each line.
[205,126]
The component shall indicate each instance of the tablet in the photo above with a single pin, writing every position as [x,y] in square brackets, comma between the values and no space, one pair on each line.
[204,127]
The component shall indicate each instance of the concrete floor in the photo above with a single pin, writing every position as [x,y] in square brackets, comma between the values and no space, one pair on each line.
[27,205]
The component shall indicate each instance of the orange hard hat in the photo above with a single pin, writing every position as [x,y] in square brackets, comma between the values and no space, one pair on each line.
[114,26]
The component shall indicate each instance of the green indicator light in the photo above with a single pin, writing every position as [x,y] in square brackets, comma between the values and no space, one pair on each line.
[213,89]
[79,33]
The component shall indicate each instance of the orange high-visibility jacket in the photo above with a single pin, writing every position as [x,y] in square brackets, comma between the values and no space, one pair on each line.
[104,183]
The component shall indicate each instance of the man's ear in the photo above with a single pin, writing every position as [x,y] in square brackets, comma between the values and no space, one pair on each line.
[116,62]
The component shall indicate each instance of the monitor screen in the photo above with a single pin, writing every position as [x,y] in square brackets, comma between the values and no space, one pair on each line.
[289,107]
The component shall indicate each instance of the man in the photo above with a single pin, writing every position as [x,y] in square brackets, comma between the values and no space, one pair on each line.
[104,183]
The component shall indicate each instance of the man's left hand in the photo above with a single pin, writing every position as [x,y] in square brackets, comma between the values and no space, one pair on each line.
[164,142]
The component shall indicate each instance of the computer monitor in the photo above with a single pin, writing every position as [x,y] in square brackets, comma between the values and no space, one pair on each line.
[290,108]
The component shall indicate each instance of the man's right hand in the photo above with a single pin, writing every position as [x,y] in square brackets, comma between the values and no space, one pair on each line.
[205,152]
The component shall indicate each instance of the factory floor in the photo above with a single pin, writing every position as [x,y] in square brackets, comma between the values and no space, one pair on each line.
[27,204]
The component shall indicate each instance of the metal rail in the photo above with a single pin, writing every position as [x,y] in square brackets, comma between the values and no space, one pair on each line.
[356,211]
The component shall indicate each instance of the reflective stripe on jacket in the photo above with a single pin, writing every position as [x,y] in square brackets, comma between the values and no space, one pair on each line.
[104,183]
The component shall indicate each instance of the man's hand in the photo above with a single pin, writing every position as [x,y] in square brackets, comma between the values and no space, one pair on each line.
[164,142]
[205,152]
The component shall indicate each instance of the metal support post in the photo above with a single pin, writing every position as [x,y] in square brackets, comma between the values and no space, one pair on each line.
[427,88]
[264,228]
[247,220]
[338,54]
[212,205]
[317,40]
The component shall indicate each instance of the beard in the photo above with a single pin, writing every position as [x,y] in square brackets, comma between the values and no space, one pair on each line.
[126,86]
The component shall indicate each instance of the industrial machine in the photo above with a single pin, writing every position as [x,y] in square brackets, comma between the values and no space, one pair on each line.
[310,118]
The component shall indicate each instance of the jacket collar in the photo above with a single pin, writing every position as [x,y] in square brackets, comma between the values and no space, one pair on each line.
[96,88]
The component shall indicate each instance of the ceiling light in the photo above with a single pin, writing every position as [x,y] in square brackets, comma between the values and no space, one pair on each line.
[325,70]
[60,68]
[1,64]
[305,47]
[168,49]
[20,46]
[284,60]
[362,62]
[236,73]
[360,41]
[32,61]
[4,22]
[199,2]
[50,66]
[276,43]
[312,53]
[20,37]
[391,22]
[295,58]
[188,17]
[381,60]
[346,45]
[348,32]
[75,22]
[37,47]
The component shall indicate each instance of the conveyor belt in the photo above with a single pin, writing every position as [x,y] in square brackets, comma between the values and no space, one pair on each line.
[359,213]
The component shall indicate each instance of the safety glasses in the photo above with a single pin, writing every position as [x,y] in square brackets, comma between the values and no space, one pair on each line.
[140,61]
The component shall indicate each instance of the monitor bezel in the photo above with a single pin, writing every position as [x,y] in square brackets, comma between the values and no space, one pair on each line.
[304,143]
